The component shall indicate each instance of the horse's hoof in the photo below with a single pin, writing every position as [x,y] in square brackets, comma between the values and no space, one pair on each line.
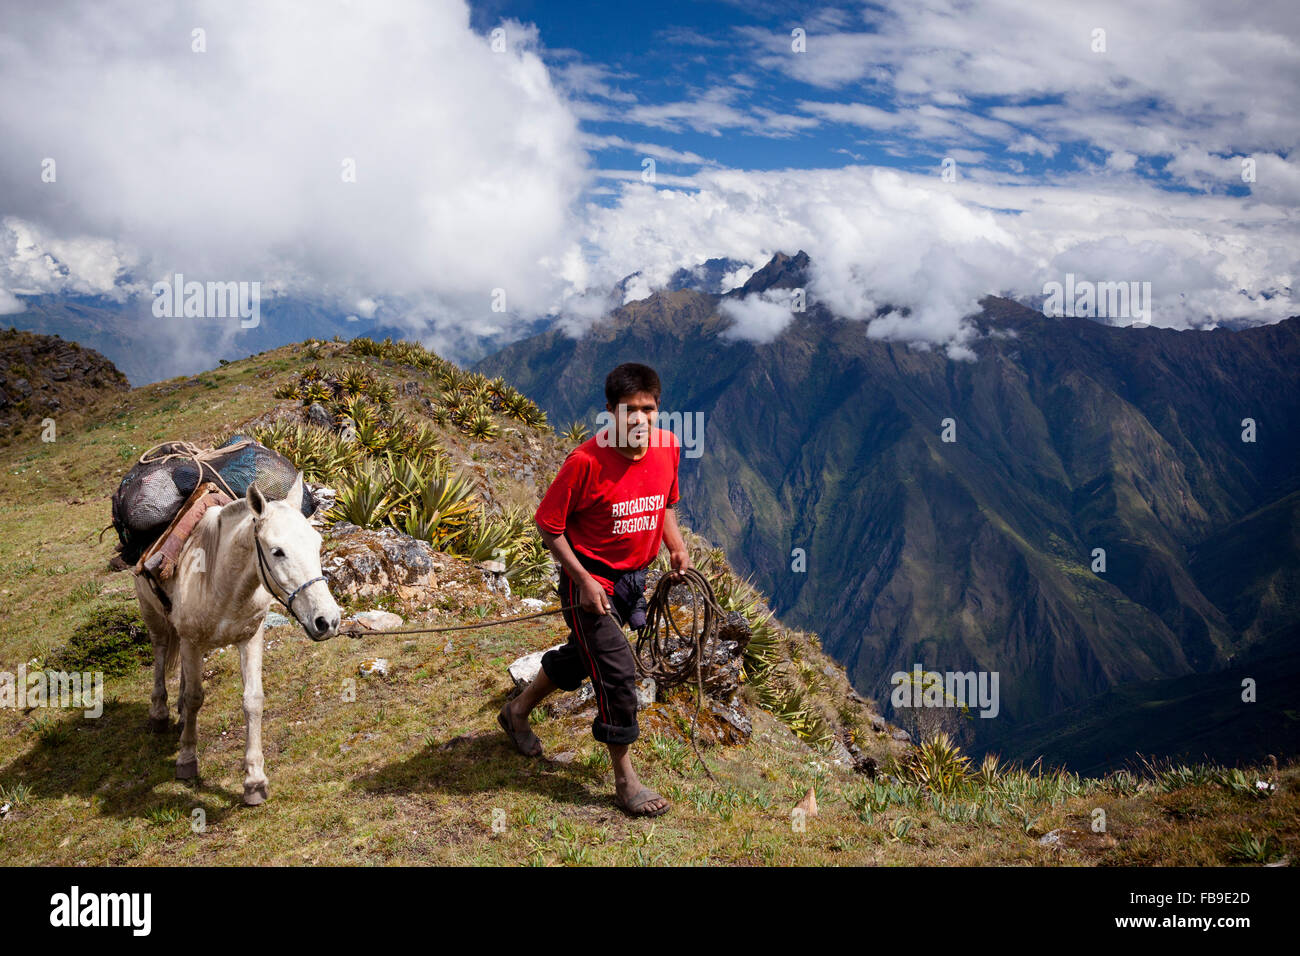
[255,795]
[187,770]
[159,725]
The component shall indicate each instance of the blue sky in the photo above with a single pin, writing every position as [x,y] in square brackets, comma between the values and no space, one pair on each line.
[718,84]
[390,159]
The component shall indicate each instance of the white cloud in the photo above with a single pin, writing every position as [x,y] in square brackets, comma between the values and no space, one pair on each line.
[229,164]
[1173,72]
[757,318]
[884,240]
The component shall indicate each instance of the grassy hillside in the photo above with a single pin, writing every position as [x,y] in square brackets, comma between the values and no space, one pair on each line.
[414,770]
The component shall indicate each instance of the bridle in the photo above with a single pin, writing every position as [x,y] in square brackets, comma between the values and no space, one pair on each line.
[264,572]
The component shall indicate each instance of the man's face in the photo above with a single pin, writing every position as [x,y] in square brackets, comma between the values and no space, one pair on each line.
[634,417]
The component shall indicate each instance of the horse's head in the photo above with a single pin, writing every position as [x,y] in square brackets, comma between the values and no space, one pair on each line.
[287,551]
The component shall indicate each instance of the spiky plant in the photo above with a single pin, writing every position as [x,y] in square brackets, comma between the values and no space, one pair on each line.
[316,391]
[449,379]
[356,380]
[534,417]
[363,500]
[485,539]
[358,409]
[517,406]
[576,433]
[373,435]
[287,390]
[483,428]
[363,345]
[937,764]
[384,392]
[420,441]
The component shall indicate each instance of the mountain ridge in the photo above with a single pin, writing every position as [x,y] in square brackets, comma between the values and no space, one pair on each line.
[1071,435]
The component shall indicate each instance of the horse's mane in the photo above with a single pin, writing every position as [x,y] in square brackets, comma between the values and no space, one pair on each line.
[207,535]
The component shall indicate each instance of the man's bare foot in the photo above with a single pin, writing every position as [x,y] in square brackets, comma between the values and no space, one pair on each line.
[515,724]
[635,798]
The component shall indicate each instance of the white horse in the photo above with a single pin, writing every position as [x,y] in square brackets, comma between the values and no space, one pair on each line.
[239,557]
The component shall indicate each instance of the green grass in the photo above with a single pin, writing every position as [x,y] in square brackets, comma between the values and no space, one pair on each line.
[414,770]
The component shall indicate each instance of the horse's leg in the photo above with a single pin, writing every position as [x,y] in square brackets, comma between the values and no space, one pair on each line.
[250,665]
[158,721]
[187,764]
[161,634]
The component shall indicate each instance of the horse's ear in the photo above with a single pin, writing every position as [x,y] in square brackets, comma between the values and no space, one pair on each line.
[294,495]
[256,500]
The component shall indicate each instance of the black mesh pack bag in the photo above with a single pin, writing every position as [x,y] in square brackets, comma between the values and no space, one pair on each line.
[153,491]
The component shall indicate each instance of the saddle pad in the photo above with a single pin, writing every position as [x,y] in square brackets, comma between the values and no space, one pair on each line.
[160,559]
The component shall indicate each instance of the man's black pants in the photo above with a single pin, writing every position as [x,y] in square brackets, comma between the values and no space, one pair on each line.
[598,649]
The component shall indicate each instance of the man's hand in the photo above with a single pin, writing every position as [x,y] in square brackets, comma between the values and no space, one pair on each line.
[680,561]
[594,599]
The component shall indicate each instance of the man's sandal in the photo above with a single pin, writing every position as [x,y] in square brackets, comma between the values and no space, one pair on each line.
[526,742]
[635,806]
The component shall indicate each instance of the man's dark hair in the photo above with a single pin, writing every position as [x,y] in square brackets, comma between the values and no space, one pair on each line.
[629,379]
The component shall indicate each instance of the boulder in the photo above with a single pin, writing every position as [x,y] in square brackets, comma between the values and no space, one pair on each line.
[525,669]
[318,416]
[363,564]
[378,620]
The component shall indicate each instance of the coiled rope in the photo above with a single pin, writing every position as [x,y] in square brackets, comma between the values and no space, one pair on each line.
[667,654]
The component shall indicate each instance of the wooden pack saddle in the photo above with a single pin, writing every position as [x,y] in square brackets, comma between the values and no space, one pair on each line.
[158,563]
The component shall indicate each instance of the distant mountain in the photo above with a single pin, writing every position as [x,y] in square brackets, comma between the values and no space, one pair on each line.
[709,276]
[977,554]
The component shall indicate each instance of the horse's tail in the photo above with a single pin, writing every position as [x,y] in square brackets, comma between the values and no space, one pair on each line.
[173,653]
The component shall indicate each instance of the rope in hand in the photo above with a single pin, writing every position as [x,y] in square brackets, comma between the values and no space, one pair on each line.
[668,655]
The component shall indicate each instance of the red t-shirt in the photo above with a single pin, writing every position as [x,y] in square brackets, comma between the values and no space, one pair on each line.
[610,507]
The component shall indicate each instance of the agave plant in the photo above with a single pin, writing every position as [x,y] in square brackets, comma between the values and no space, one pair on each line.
[517,406]
[938,764]
[359,409]
[576,433]
[362,345]
[485,539]
[383,392]
[482,427]
[356,380]
[373,435]
[454,401]
[364,500]
[417,441]
[534,417]
[316,391]
[449,378]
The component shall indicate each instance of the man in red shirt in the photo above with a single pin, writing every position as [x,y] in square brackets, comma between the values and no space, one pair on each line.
[604,517]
